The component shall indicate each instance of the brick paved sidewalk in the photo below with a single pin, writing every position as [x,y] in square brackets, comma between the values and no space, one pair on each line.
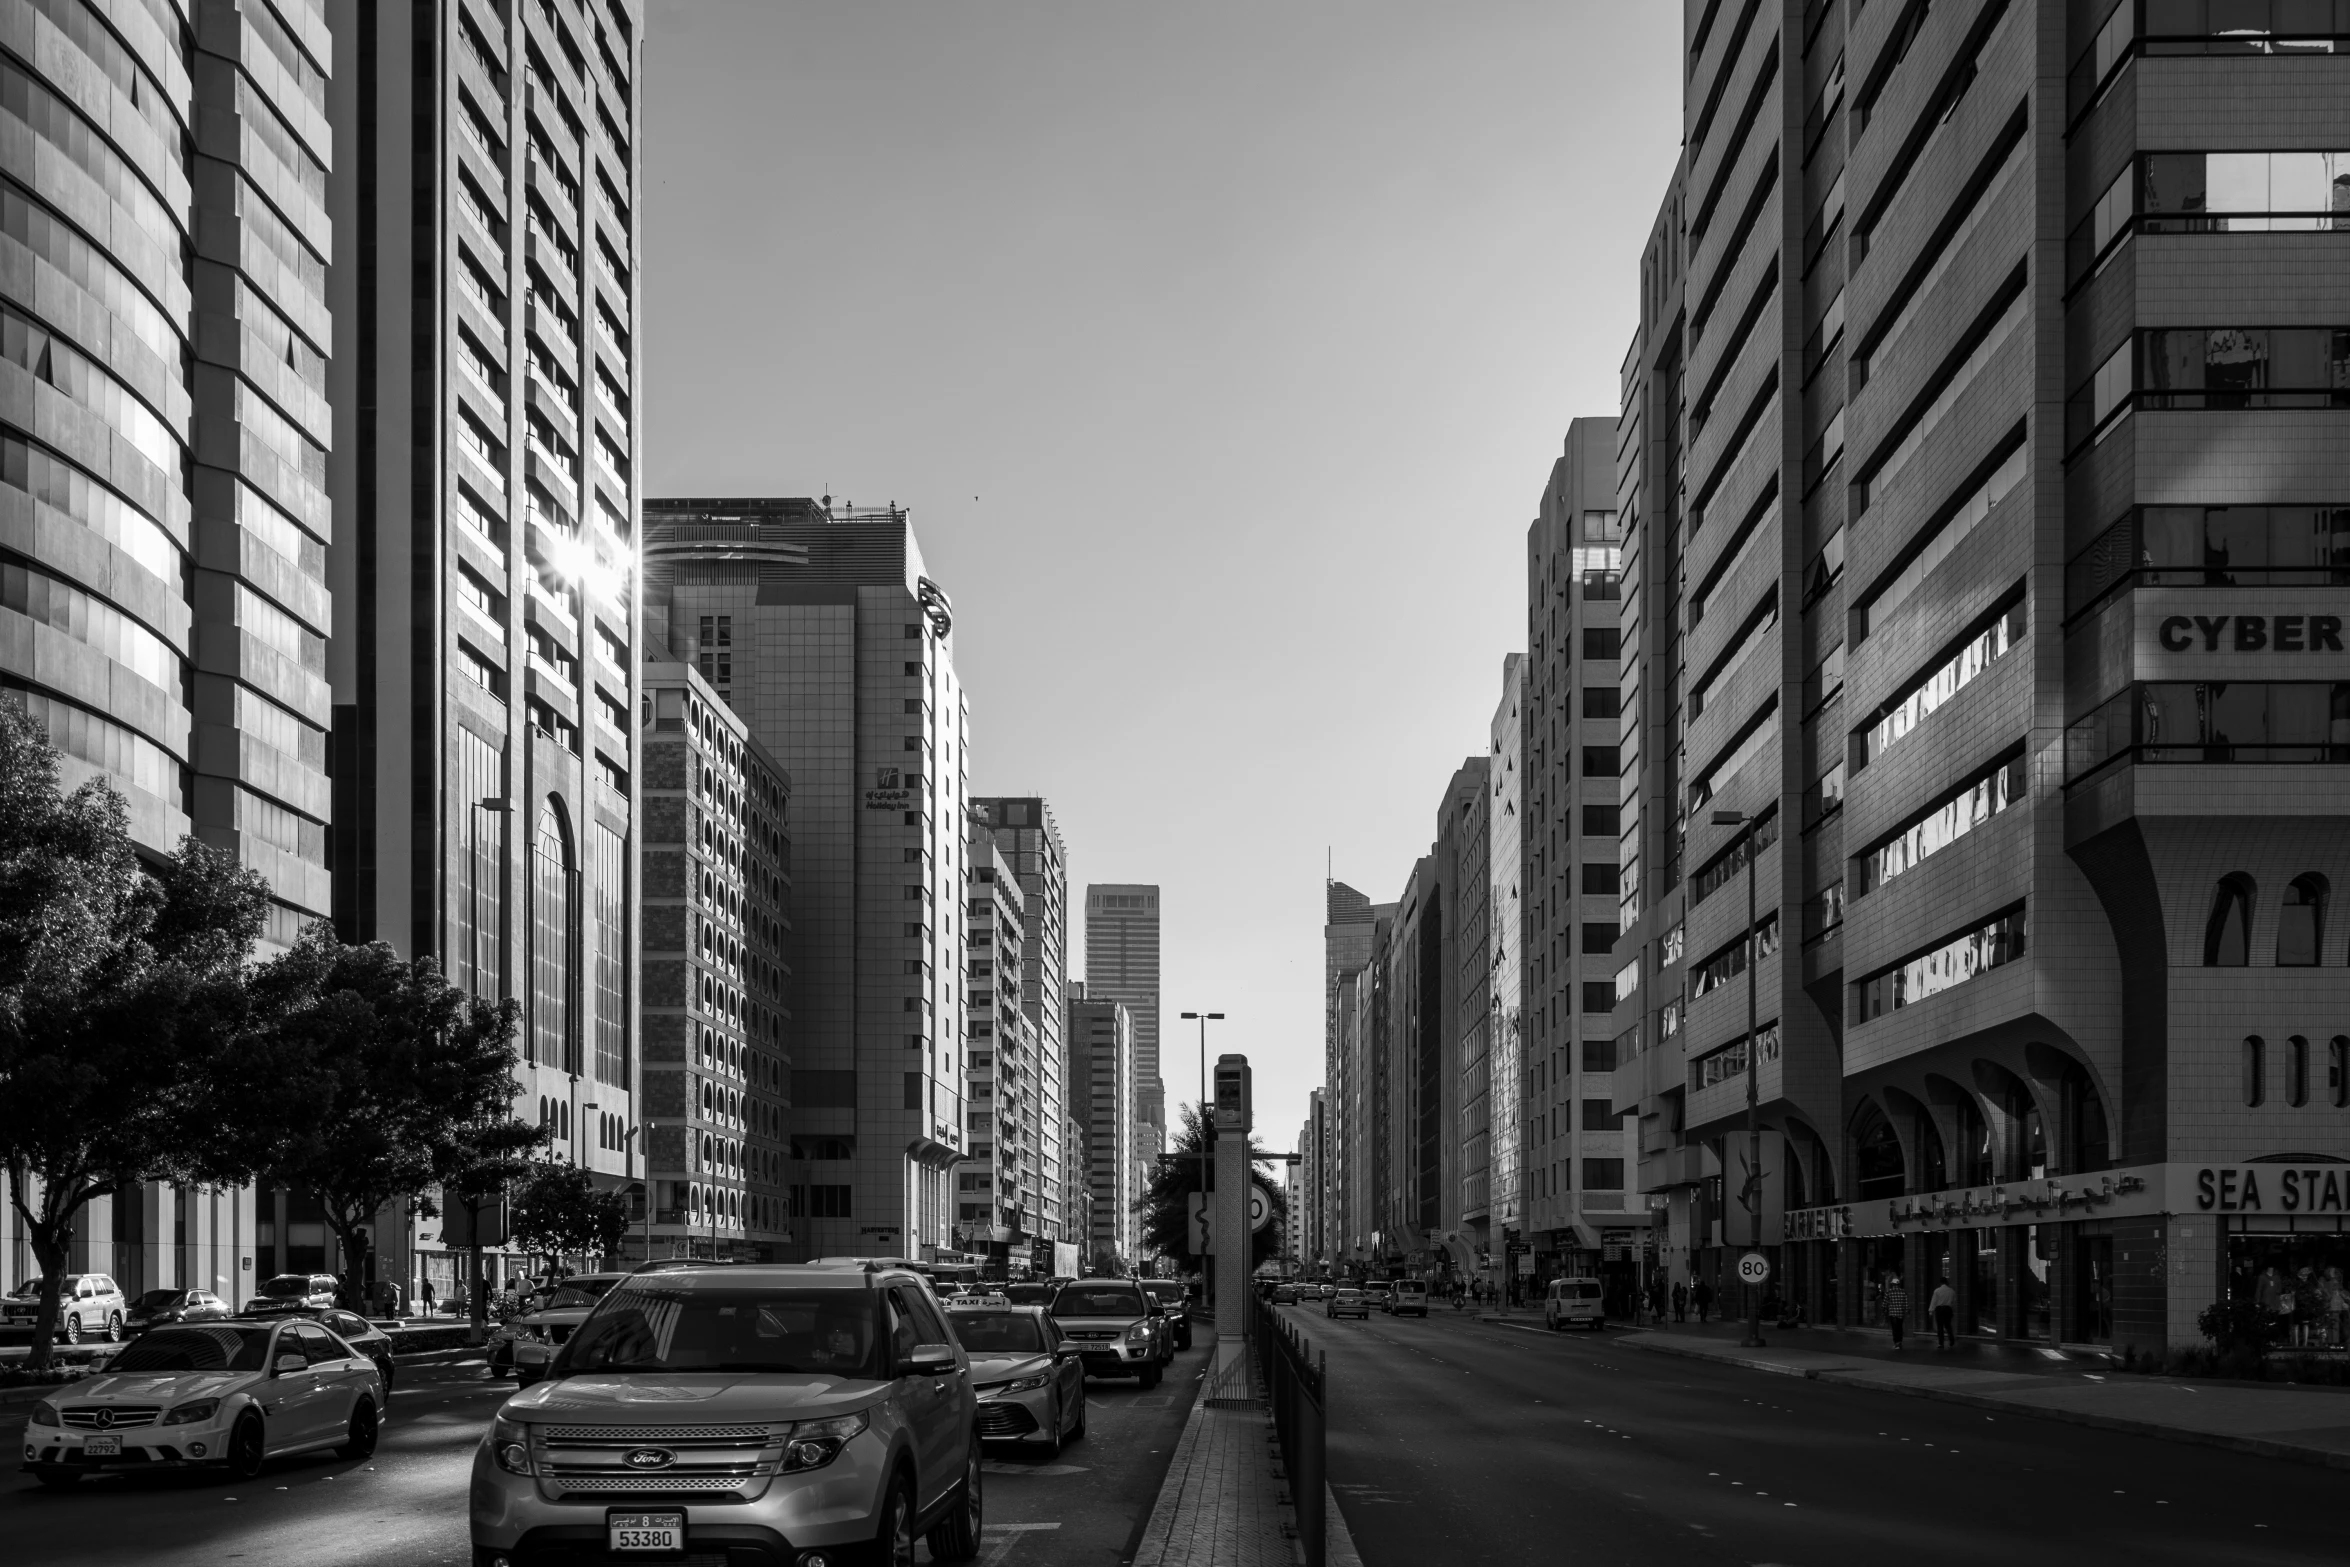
[1223,1504]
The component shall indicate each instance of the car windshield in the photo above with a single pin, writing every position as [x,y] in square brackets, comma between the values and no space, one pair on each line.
[156,1300]
[32,1287]
[219,1347]
[1029,1294]
[997,1332]
[287,1286]
[573,1294]
[661,1322]
[1098,1300]
[1350,1294]
[1166,1289]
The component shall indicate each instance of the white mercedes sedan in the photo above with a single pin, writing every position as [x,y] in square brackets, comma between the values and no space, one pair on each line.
[225,1394]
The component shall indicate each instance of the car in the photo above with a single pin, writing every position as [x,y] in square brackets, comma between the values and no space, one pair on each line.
[356,1331]
[1409,1298]
[161,1308]
[229,1395]
[1325,1289]
[1348,1302]
[1119,1326]
[288,1292]
[782,1413]
[1029,1378]
[1030,1294]
[525,1343]
[1571,1301]
[87,1304]
[1284,1295]
[1376,1291]
[1174,1298]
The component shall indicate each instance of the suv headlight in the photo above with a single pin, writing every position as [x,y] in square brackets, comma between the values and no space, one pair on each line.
[510,1445]
[812,1444]
[190,1414]
[45,1414]
[1140,1333]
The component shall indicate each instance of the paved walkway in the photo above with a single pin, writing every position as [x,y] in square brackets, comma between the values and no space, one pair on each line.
[1222,1503]
[2310,1425]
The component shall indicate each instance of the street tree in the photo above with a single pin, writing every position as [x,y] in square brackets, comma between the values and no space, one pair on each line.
[125,1009]
[559,1211]
[1165,1207]
[400,1072]
[490,1158]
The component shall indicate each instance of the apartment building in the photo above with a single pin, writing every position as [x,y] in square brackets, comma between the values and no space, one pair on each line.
[1024,833]
[1499,990]
[999,1199]
[1101,1054]
[715,989]
[822,628]
[1982,454]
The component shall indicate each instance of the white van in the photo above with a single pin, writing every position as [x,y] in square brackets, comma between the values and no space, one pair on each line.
[1573,1302]
[1410,1299]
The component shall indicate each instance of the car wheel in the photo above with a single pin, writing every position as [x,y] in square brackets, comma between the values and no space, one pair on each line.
[57,1479]
[1150,1376]
[73,1328]
[114,1328]
[359,1442]
[246,1448]
[955,1538]
[894,1545]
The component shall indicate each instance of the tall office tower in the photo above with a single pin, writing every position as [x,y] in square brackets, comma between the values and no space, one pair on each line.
[1024,833]
[484,667]
[1313,1166]
[1353,931]
[820,626]
[163,507]
[2004,408]
[1572,1144]
[716,1089]
[1500,990]
[1122,964]
[1467,824]
[1101,1053]
[999,1197]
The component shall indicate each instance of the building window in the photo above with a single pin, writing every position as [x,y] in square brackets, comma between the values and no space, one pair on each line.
[1603,1175]
[2338,1071]
[2301,923]
[2296,1071]
[610,894]
[2227,936]
[554,944]
[2255,1069]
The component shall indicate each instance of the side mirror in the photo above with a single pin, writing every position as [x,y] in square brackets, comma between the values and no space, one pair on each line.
[288,1363]
[1067,1352]
[930,1360]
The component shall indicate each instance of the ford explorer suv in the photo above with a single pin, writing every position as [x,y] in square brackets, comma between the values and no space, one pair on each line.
[803,1416]
[1120,1329]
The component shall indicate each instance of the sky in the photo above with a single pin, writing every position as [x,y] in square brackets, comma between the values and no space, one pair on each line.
[1220,352]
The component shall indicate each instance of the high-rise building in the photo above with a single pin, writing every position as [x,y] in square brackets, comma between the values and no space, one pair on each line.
[1024,833]
[1572,1143]
[821,627]
[715,987]
[1465,1109]
[1502,995]
[163,490]
[1312,1172]
[1353,933]
[999,1198]
[1122,964]
[484,666]
[1982,441]
[1101,1054]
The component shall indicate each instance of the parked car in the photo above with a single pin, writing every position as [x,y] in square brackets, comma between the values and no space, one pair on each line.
[88,1305]
[525,1343]
[356,1331]
[160,1308]
[1348,1302]
[1326,1289]
[1574,1302]
[1030,1380]
[708,1412]
[225,1394]
[1121,1329]
[1409,1298]
[293,1292]
[1174,1298]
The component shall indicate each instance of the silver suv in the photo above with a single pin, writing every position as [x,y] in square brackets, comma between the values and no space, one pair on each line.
[804,1416]
[1121,1329]
[87,1304]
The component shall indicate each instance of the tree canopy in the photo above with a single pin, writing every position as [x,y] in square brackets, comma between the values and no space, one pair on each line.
[1166,1199]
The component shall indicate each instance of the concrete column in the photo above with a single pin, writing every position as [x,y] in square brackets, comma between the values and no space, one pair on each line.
[1231,1241]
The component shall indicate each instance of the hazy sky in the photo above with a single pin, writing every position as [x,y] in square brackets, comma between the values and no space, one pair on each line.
[1221,352]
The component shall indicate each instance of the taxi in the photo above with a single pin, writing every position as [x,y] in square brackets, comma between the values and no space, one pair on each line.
[1029,1378]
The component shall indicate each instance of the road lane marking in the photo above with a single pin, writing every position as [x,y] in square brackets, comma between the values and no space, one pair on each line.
[994,1527]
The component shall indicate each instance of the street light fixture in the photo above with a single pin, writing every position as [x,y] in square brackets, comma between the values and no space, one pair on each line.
[1751,1187]
[1206,1132]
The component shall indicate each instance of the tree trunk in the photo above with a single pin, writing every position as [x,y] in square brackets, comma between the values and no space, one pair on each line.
[477,1292]
[50,1234]
[351,1236]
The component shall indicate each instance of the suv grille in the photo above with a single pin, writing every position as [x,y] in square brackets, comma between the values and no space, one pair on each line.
[650,1485]
[112,1417]
[727,1436]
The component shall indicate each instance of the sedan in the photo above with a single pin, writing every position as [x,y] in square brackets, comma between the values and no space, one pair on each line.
[1030,1380]
[162,1308]
[218,1394]
[293,1292]
[354,1330]
[1348,1303]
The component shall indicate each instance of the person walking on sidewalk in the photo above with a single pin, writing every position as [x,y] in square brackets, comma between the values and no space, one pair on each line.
[1944,1304]
[1702,1298]
[1680,1303]
[1896,1308]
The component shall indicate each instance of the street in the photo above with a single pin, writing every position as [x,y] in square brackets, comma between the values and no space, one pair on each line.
[405,1507]
[1451,1440]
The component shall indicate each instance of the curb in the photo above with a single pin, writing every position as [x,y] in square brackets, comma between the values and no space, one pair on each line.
[2254,1446]
[1153,1549]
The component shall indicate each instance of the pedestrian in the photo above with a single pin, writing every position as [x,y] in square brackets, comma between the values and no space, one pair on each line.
[1680,1301]
[427,1292]
[1702,1298]
[1896,1307]
[1944,1304]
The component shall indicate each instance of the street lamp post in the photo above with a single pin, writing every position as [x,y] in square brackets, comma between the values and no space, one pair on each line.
[1206,1126]
[1753,1184]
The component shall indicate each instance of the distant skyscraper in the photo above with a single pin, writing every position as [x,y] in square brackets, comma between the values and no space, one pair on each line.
[820,627]
[1122,964]
[1025,834]
[1101,1054]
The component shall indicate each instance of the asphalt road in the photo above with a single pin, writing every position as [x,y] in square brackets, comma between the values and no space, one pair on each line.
[405,1507]
[1455,1441]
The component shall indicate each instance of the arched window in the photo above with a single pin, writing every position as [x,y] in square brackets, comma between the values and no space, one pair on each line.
[2338,1071]
[2296,1071]
[2227,938]
[2255,1069]
[554,962]
[1877,1164]
[2301,922]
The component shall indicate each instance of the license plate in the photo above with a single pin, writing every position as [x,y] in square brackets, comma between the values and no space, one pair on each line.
[102,1446]
[646,1532]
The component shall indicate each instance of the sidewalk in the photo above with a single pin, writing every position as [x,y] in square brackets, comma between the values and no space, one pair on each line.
[2307,1425]
[1223,1503]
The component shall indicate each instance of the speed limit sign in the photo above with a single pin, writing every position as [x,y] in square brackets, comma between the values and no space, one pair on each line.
[1754,1267]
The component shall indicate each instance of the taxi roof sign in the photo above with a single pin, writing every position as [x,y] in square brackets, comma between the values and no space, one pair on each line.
[976,1302]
